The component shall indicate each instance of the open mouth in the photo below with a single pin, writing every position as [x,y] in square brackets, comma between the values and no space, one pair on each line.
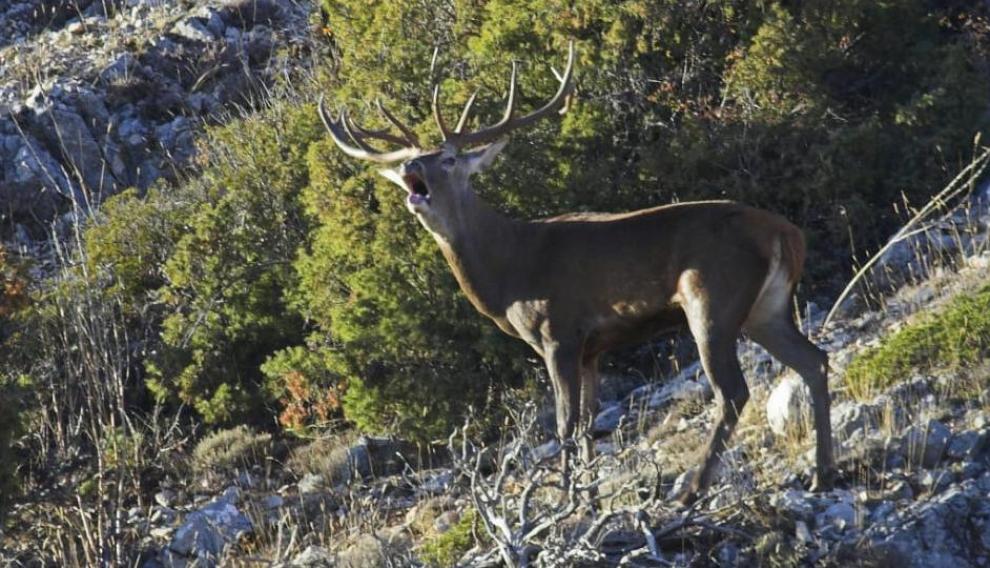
[418,192]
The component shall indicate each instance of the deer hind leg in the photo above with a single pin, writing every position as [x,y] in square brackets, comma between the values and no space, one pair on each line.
[717,347]
[781,337]
[563,363]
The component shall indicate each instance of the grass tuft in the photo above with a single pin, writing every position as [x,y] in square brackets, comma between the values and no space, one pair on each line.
[956,336]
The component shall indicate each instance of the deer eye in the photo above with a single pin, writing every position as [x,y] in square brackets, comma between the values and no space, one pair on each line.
[448,163]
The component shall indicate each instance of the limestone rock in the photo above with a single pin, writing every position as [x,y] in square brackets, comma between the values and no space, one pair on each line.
[789,405]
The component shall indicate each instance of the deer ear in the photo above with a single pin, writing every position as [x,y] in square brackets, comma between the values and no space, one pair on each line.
[478,160]
[393,176]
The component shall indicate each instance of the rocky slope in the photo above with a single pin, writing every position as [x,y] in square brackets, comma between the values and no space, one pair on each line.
[96,96]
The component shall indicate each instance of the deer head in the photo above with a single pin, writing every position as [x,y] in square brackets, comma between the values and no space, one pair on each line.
[437,181]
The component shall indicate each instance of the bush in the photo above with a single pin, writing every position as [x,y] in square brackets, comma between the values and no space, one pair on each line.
[230,275]
[958,336]
[447,548]
[301,383]
[238,447]
[13,299]
[12,427]
[329,456]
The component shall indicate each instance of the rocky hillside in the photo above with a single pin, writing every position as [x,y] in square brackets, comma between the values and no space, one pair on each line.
[96,96]
[100,95]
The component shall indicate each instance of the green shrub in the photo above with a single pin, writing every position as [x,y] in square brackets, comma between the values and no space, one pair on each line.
[447,548]
[410,349]
[12,427]
[13,300]
[957,336]
[307,392]
[230,275]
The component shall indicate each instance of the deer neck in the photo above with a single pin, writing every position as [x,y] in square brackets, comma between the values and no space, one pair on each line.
[483,249]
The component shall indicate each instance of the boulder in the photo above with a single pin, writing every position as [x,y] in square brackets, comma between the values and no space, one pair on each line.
[608,419]
[789,406]
[925,444]
[207,532]
[313,557]
[193,30]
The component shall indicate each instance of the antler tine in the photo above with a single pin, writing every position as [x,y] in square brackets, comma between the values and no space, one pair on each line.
[437,115]
[466,113]
[354,132]
[510,105]
[508,123]
[342,136]
[359,133]
[411,138]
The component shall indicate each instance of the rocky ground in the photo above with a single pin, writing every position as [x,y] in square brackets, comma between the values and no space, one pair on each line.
[100,95]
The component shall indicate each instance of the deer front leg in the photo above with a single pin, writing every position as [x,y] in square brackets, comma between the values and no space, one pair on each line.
[590,382]
[563,363]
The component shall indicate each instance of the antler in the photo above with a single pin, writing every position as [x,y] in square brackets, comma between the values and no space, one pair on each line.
[459,139]
[350,136]
[345,131]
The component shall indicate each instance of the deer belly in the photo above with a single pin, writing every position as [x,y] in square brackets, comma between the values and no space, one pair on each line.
[626,331]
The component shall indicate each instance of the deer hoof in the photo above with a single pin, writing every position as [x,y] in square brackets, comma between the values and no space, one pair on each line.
[687,498]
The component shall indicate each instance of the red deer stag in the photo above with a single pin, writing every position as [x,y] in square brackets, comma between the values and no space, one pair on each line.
[578,285]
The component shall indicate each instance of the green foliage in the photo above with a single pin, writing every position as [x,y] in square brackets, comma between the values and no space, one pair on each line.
[230,272]
[446,549]
[13,300]
[132,239]
[306,391]
[12,427]
[956,337]
[288,279]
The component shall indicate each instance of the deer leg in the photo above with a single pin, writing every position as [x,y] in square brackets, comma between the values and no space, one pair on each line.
[589,405]
[784,341]
[563,363]
[718,357]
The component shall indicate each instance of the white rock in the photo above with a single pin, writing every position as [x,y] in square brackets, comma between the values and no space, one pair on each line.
[165,497]
[608,419]
[313,557]
[789,405]
[682,483]
[546,450]
[311,483]
[194,30]
[839,515]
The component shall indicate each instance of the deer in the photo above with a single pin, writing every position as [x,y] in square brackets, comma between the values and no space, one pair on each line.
[578,285]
